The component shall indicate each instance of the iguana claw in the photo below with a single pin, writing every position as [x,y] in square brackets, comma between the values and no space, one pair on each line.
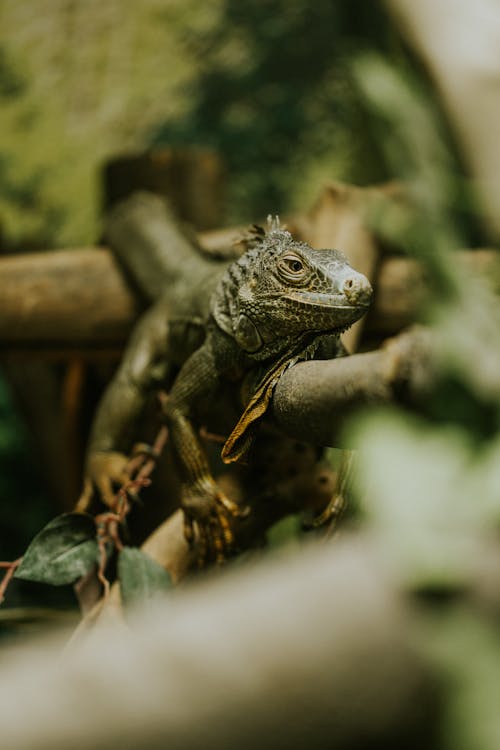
[329,516]
[210,516]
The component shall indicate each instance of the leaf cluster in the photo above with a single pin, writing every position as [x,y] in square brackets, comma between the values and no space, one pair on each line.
[67,549]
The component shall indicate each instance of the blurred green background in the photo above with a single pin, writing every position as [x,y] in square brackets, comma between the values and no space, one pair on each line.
[267,84]
[290,93]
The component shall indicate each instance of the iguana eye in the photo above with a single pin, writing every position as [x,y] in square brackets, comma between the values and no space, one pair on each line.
[292,267]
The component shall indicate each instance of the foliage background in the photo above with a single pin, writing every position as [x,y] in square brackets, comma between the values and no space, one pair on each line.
[291,93]
[268,84]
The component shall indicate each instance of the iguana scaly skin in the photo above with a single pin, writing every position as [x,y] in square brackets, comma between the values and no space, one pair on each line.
[279,303]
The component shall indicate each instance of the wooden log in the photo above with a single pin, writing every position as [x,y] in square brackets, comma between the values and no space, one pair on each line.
[158,254]
[399,291]
[79,301]
[76,298]
[318,398]
[311,650]
[401,287]
[191,178]
[80,298]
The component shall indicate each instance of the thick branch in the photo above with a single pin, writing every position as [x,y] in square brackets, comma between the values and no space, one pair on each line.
[79,299]
[312,650]
[75,298]
[156,252]
[316,398]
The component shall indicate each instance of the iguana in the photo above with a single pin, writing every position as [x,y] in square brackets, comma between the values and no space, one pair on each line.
[279,303]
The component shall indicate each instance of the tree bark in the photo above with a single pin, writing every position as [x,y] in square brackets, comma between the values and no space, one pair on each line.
[311,650]
[78,300]
[317,398]
[191,178]
[74,299]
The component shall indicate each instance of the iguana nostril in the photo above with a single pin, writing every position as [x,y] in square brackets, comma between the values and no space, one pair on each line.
[351,287]
[357,289]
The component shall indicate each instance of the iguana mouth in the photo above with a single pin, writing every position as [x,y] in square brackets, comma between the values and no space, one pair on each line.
[331,301]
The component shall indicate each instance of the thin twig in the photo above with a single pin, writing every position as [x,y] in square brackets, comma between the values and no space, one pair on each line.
[211,437]
[11,569]
[108,524]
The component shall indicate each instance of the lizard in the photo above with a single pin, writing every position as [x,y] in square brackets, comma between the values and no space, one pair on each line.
[279,303]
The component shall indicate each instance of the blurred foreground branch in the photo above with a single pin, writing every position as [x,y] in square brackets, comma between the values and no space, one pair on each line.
[329,664]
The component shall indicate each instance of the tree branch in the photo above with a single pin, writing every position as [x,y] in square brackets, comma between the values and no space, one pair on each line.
[316,398]
[291,654]
[79,300]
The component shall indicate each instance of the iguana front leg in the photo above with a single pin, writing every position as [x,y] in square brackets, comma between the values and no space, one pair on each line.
[205,506]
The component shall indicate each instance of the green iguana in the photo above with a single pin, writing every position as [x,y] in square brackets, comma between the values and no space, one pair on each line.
[279,303]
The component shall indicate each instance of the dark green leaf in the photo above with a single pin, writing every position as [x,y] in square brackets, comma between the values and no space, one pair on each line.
[62,552]
[141,578]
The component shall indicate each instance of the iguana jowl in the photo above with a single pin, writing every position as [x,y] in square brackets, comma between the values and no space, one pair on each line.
[280,302]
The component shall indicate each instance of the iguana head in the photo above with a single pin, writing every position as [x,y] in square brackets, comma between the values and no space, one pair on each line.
[281,288]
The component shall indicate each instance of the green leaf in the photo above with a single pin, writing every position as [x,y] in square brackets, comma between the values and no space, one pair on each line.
[141,578]
[61,552]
